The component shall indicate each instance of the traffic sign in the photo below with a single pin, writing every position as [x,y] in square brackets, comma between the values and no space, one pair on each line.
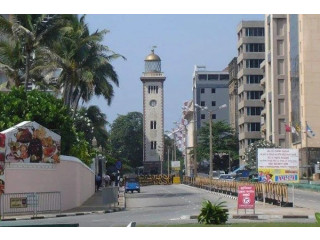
[118,165]
[246,197]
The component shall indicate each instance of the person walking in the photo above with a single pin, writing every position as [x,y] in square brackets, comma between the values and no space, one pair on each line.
[98,182]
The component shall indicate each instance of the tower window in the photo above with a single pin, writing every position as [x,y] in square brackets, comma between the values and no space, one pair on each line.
[153,144]
[153,89]
[213,90]
[203,116]
[153,124]
[202,90]
[213,103]
[202,103]
[214,116]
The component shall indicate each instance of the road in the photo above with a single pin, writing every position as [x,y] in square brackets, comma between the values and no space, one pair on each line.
[305,198]
[156,205]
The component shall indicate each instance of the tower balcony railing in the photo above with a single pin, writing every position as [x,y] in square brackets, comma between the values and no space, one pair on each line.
[153,74]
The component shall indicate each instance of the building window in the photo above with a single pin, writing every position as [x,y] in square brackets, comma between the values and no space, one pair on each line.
[202,77]
[214,116]
[153,144]
[254,111]
[203,116]
[224,77]
[153,124]
[255,47]
[252,140]
[213,90]
[213,103]
[253,127]
[254,79]
[201,90]
[253,63]
[255,32]
[202,103]
[281,86]
[212,77]
[153,89]
[254,95]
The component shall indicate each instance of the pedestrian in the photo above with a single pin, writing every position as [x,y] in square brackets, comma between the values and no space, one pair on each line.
[107,180]
[98,182]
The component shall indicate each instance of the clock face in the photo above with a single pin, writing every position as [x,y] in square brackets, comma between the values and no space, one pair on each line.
[153,103]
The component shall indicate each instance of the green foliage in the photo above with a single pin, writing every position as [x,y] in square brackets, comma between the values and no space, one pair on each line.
[213,213]
[81,148]
[126,139]
[223,141]
[18,106]
[252,151]
[317,217]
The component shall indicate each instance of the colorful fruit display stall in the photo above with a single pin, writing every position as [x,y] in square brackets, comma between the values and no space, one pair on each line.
[28,142]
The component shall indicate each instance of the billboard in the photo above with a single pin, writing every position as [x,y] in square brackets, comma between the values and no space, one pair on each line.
[279,165]
[27,142]
[175,165]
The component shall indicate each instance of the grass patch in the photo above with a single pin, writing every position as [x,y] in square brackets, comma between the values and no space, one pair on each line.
[255,224]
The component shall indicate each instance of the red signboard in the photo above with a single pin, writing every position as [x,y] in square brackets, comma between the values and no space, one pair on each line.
[246,197]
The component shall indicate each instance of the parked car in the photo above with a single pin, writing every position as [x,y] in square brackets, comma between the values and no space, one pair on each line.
[216,174]
[226,177]
[132,184]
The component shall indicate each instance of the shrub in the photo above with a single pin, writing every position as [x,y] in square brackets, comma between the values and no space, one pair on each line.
[317,217]
[213,213]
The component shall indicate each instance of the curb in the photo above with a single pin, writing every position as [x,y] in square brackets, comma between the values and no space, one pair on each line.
[65,215]
[264,217]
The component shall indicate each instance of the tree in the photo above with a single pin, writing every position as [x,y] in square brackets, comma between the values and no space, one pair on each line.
[92,122]
[84,61]
[27,31]
[223,141]
[43,108]
[11,61]
[126,139]
[251,152]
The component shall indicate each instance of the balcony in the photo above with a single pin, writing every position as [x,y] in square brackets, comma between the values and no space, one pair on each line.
[263,97]
[263,81]
[263,112]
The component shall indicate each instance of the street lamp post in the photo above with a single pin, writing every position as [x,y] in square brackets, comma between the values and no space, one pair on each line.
[210,133]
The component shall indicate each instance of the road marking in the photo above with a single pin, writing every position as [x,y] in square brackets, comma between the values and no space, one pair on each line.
[184,217]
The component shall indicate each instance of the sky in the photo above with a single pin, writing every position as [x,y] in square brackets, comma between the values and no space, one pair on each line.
[182,40]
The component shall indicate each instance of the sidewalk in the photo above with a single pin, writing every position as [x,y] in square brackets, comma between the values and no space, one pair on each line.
[92,205]
[265,211]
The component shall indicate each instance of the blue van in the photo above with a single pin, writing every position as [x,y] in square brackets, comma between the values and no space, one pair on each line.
[132,184]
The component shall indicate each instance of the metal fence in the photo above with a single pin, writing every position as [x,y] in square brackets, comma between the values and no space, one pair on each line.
[273,193]
[29,203]
[110,195]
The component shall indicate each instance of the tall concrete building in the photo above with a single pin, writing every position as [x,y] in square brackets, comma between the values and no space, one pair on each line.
[304,86]
[153,129]
[251,50]
[291,85]
[275,81]
[210,89]
[233,95]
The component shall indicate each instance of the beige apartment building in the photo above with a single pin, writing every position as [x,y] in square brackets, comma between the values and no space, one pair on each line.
[274,115]
[233,94]
[291,85]
[251,53]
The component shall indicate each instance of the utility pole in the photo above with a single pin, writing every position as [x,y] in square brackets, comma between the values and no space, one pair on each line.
[168,162]
[210,140]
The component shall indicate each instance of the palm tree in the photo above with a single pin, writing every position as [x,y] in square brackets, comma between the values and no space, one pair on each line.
[28,31]
[85,63]
[11,61]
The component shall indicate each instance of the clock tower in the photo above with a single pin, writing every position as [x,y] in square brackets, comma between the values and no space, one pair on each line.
[153,138]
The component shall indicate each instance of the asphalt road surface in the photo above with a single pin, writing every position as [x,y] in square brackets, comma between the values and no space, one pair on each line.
[158,205]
